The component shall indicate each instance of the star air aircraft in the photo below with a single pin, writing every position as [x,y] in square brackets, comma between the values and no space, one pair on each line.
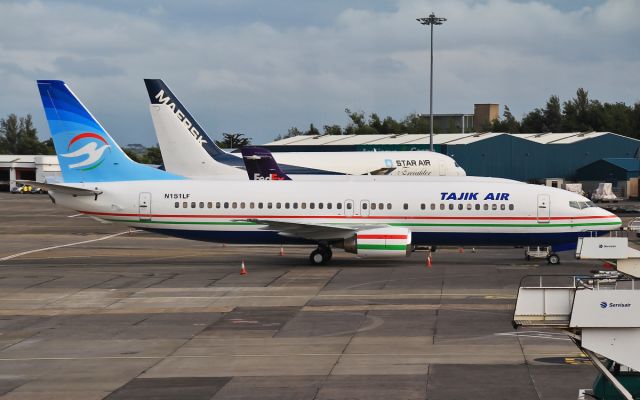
[378,219]
[211,160]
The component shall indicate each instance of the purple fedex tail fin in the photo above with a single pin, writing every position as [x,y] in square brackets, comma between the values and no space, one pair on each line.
[261,165]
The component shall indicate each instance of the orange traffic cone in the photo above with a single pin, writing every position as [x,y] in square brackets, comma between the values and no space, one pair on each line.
[243,269]
[281,251]
[429,261]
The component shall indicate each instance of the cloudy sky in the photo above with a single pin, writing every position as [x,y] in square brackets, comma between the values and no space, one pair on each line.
[259,67]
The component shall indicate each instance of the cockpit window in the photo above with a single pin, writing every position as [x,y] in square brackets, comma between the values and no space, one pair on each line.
[581,204]
[456,164]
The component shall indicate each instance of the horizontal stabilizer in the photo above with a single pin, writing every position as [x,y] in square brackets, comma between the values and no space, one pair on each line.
[76,191]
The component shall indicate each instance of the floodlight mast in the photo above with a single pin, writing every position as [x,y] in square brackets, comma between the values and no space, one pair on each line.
[431,20]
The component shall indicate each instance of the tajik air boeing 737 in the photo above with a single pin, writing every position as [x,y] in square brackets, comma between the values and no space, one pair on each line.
[383,219]
[210,161]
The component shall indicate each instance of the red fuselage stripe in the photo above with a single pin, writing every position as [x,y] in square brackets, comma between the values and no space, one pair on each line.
[382,236]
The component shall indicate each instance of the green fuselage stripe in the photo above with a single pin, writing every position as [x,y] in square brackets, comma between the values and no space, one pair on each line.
[236,223]
[382,247]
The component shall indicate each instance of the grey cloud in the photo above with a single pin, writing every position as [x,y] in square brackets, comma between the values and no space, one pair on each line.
[86,67]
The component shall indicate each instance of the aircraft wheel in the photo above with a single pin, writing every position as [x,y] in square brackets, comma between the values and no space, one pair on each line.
[553,259]
[319,257]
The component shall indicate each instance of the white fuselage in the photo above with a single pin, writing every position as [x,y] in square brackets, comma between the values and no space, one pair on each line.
[469,211]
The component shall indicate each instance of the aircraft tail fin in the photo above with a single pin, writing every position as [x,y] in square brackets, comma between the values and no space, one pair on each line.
[159,93]
[86,152]
[261,165]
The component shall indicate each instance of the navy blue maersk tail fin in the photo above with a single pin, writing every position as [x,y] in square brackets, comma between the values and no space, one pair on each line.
[261,165]
[159,93]
[86,152]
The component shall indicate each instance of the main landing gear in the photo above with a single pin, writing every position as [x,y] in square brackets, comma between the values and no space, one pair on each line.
[321,255]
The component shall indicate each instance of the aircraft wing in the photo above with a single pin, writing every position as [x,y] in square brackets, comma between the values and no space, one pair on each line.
[312,231]
[63,188]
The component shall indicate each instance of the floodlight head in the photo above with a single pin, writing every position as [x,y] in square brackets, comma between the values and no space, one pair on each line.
[431,20]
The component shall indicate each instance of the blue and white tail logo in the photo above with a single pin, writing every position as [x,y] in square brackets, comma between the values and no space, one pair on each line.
[87,153]
[93,155]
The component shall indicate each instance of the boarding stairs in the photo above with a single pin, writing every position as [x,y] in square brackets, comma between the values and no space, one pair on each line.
[599,312]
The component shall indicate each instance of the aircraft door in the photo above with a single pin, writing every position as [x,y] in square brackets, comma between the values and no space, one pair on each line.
[144,206]
[544,209]
[348,208]
[364,208]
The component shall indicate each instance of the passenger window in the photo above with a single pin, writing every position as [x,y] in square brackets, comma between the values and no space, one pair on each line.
[469,205]
[494,206]
[503,207]
[450,206]
[349,206]
[329,206]
[177,204]
[364,206]
[217,204]
[373,206]
[511,207]
[295,206]
[460,206]
[442,206]
[252,205]
[485,207]
[433,206]
[226,204]
[477,206]
[235,205]
[260,205]
[193,204]
[286,205]
[313,205]
[184,205]
[388,206]
[242,205]
[201,204]
[278,205]
[405,206]
[321,205]
[209,204]
[423,206]
[269,205]
[303,205]
[339,206]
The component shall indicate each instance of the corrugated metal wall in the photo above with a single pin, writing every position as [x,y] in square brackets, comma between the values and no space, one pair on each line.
[514,158]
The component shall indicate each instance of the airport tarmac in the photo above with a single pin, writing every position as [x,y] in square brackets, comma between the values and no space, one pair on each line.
[135,316]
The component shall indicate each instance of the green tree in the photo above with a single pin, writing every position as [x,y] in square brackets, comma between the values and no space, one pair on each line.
[10,134]
[332,130]
[552,114]
[312,131]
[233,141]
[508,123]
[132,155]
[153,155]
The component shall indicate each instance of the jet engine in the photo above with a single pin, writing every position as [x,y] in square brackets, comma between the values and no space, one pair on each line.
[379,242]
